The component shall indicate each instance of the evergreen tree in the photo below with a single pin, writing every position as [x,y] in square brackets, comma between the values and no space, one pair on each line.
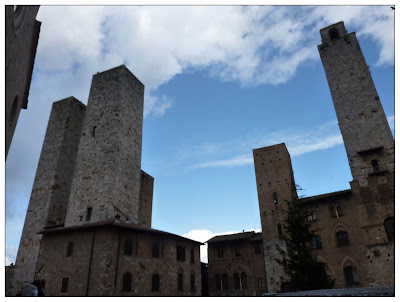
[298,261]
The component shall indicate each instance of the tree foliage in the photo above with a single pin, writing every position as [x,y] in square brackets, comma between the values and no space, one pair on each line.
[298,260]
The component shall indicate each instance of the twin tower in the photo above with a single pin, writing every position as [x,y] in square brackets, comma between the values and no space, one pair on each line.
[90,165]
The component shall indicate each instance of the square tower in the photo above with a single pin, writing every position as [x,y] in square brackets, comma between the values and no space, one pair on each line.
[366,134]
[106,182]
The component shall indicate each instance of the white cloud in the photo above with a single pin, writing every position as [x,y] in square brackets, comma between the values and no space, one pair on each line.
[236,152]
[205,235]
[248,45]
[11,254]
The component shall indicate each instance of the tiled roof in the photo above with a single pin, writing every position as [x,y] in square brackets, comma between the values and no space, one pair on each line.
[323,196]
[112,223]
[237,236]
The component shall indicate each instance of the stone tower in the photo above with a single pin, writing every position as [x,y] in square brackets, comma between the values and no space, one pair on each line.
[50,192]
[275,186]
[22,36]
[362,121]
[106,182]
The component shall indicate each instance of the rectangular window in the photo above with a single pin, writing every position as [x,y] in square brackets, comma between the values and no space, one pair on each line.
[257,247]
[89,214]
[180,281]
[156,250]
[64,285]
[128,247]
[180,253]
[70,249]
[220,252]
[192,283]
[238,252]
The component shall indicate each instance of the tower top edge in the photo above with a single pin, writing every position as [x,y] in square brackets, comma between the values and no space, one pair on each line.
[121,68]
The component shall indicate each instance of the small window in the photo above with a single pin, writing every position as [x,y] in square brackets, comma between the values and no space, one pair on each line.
[243,279]
[128,247]
[155,283]
[89,212]
[180,253]
[389,228]
[279,226]
[275,196]
[316,243]
[218,282]
[257,247]
[375,165]
[238,251]
[342,238]
[339,211]
[180,279]
[333,33]
[70,249]
[191,255]
[94,131]
[127,282]
[220,252]
[351,275]
[192,283]
[224,282]
[64,285]
[156,250]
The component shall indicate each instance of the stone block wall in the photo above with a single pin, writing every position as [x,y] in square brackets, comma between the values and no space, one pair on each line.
[22,35]
[145,199]
[107,177]
[362,121]
[53,178]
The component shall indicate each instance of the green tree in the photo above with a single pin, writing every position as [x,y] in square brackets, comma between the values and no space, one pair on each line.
[298,260]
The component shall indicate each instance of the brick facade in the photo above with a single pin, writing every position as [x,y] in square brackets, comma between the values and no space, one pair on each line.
[239,257]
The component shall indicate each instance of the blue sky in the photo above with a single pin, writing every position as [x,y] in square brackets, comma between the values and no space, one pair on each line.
[220,81]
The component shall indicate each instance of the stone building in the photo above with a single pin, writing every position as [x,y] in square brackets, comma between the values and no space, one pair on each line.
[355,227]
[88,226]
[22,35]
[236,265]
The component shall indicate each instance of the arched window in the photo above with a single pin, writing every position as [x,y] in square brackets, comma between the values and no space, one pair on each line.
[279,226]
[180,279]
[275,196]
[311,216]
[389,228]
[126,282]
[191,255]
[342,238]
[224,282]
[316,243]
[236,281]
[156,250]
[155,283]
[128,247]
[351,275]
[218,282]
[333,33]
[243,278]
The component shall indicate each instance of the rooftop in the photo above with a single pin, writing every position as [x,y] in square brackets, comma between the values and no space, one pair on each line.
[237,236]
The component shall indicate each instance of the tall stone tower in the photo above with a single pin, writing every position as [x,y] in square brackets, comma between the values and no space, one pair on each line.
[362,121]
[106,182]
[50,192]
[275,186]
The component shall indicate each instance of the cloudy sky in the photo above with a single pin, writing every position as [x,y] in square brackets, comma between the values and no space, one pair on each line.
[220,81]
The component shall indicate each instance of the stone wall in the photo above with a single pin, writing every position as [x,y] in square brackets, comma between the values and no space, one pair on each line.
[22,35]
[98,263]
[53,178]
[107,177]
[145,199]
